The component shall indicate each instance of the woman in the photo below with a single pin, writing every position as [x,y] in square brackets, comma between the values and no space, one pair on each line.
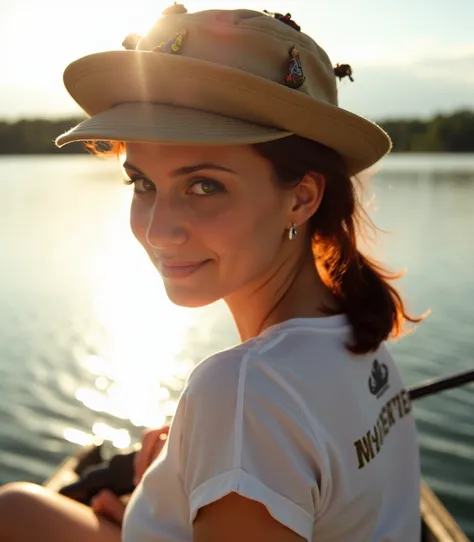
[241,163]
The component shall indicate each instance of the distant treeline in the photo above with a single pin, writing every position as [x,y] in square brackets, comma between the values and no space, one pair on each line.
[36,136]
[443,133]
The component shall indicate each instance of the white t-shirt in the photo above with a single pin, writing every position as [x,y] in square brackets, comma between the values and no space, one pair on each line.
[324,439]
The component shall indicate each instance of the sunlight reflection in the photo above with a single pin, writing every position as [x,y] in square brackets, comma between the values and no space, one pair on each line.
[77,437]
[139,374]
[93,400]
[101,383]
[119,437]
[101,432]
[94,364]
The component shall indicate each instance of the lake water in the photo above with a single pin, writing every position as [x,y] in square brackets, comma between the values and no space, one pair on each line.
[90,347]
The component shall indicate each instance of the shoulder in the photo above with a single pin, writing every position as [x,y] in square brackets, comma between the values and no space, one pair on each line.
[288,339]
[244,379]
[226,368]
[258,380]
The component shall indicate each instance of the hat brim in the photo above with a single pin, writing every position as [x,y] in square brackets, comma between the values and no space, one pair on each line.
[168,124]
[207,103]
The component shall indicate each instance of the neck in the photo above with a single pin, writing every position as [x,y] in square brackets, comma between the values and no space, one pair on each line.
[293,290]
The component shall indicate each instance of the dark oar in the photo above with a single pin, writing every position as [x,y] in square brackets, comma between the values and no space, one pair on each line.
[441,384]
[116,474]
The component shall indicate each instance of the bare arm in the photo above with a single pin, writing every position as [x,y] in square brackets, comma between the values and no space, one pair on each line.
[234,518]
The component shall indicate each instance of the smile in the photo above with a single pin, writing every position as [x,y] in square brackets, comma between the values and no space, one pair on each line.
[180,270]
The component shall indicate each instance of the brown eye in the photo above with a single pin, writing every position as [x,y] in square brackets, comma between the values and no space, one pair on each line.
[206,187]
[142,185]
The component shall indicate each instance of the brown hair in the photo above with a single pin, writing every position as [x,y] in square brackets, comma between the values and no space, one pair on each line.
[374,308]
[360,285]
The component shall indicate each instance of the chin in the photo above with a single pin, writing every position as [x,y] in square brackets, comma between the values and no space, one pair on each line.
[192,298]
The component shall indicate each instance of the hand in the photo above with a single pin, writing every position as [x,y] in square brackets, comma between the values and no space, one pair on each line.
[107,504]
[152,441]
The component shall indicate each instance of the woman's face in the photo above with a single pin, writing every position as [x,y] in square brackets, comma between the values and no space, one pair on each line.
[212,219]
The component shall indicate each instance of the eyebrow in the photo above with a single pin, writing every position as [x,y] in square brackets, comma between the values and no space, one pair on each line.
[131,167]
[186,170]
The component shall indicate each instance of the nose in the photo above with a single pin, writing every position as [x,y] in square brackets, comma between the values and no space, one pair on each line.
[166,227]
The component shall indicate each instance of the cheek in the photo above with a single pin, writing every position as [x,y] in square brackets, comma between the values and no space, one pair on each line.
[139,220]
[247,240]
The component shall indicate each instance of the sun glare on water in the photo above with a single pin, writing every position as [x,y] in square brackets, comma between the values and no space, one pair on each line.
[146,332]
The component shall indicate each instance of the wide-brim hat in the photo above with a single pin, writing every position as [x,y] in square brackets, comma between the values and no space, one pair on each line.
[219,77]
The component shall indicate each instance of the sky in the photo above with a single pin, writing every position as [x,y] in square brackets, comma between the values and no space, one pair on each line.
[411,58]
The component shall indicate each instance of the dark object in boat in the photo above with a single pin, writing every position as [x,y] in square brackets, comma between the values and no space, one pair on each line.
[115,474]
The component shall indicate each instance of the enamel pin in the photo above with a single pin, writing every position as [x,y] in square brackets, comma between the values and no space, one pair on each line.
[172,45]
[294,76]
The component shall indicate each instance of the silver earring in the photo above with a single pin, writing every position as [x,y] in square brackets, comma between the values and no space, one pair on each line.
[293,231]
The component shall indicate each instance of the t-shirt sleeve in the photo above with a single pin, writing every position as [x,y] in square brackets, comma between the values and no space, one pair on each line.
[245,431]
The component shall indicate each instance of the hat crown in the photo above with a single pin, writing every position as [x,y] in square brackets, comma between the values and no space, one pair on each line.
[220,77]
[251,41]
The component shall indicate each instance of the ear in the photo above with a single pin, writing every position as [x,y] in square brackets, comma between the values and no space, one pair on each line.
[307,197]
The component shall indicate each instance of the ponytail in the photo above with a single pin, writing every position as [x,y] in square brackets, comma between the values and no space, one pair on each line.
[374,307]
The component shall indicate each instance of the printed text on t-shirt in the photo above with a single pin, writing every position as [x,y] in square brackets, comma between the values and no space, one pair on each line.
[368,446]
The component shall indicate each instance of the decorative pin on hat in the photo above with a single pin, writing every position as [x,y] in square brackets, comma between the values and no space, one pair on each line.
[175,9]
[286,19]
[294,76]
[172,45]
[343,70]
[131,41]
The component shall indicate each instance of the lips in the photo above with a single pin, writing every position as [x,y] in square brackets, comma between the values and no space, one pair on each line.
[180,270]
